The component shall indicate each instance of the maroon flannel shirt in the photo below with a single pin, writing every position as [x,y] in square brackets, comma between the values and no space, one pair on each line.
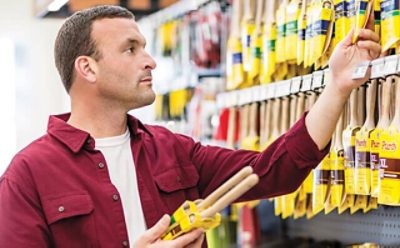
[57,191]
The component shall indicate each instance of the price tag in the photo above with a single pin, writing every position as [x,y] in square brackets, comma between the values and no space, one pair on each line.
[398,64]
[286,87]
[295,86]
[327,76]
[317,79]
[257,93]
[391,65]
[361,70]
[271,90]
[307,82]
[264,92]
[378,67]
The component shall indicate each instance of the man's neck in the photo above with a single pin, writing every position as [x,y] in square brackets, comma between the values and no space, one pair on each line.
[100,124]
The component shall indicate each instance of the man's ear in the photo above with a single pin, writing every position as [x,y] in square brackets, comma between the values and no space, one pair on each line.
[86,67]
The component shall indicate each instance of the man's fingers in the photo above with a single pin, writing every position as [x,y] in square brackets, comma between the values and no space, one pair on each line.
[197,243]
[158,229]
[371,19]
[366,34]
[188,238]
[373,48]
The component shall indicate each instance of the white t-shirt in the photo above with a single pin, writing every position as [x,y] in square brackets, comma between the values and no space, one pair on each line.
[118,154]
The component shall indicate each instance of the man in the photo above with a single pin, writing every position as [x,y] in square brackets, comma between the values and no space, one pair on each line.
[100,178]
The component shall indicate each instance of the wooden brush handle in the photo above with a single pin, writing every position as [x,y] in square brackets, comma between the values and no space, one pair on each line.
[259,16]
[353,108]
[244,121]
[396,118]
[293,107]
[386,100]
[276,116]
[253,119]
[241,188]
[263,108]
[219,192]
[370,105]
[300,105]
[285,115]
[360,105]
[268,120]
[339,130]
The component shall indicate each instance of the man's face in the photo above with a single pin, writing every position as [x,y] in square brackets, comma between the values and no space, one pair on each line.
[124,68]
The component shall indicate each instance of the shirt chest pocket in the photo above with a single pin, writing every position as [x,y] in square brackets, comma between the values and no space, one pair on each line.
[71,221]
[177,184]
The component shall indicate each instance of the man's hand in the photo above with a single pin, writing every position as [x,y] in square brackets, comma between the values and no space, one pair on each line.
[151,238]
[348,56]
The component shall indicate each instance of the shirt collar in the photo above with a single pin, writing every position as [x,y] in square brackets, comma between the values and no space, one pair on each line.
[75,138]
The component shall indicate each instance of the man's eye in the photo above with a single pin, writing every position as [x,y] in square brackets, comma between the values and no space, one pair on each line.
[131,50]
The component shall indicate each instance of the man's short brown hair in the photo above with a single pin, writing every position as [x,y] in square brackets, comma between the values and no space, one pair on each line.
[74,38]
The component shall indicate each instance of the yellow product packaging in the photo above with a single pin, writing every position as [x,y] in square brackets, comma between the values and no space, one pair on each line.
[268,53]
[248,27]
[351,12]
[308,48]
[278,205]
[377,17]
[372,204]
[342,23]
[374,142]
[300,208]
[281,35]
[288,204]
[322,30]
[363,13]
[362,172]
[349,158]
[301,37]
[360,203]
[390,23]
[389,191]
[337,177]
[320,185]
[234,64]
[292,16]
[255,57]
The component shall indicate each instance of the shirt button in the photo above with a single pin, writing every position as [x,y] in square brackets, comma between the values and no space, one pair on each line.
[101,165]
[61,209]
[115,197]
[125,243]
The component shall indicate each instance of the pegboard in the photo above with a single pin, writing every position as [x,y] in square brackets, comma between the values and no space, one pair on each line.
[381,226]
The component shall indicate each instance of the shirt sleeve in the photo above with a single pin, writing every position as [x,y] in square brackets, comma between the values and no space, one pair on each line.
[282,167]
[22,222]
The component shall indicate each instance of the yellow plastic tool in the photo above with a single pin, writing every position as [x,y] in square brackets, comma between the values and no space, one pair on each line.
[204,213]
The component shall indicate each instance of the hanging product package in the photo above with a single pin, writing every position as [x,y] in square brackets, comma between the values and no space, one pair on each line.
[362,171]
[255,47]
[268,43]
[309,34]
[301,34]
[247,29]
[234,60]
[320,185]
[390,24]
[293,15]
[281,20]
[389,191]
[337,166]
[322,30]
[377,17]
[376,136]
[342,24]
[364,8]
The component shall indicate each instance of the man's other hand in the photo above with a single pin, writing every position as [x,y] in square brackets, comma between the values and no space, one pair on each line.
[151,238]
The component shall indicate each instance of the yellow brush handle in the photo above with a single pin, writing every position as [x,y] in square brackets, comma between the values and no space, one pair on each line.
[231,196]
[214,196]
